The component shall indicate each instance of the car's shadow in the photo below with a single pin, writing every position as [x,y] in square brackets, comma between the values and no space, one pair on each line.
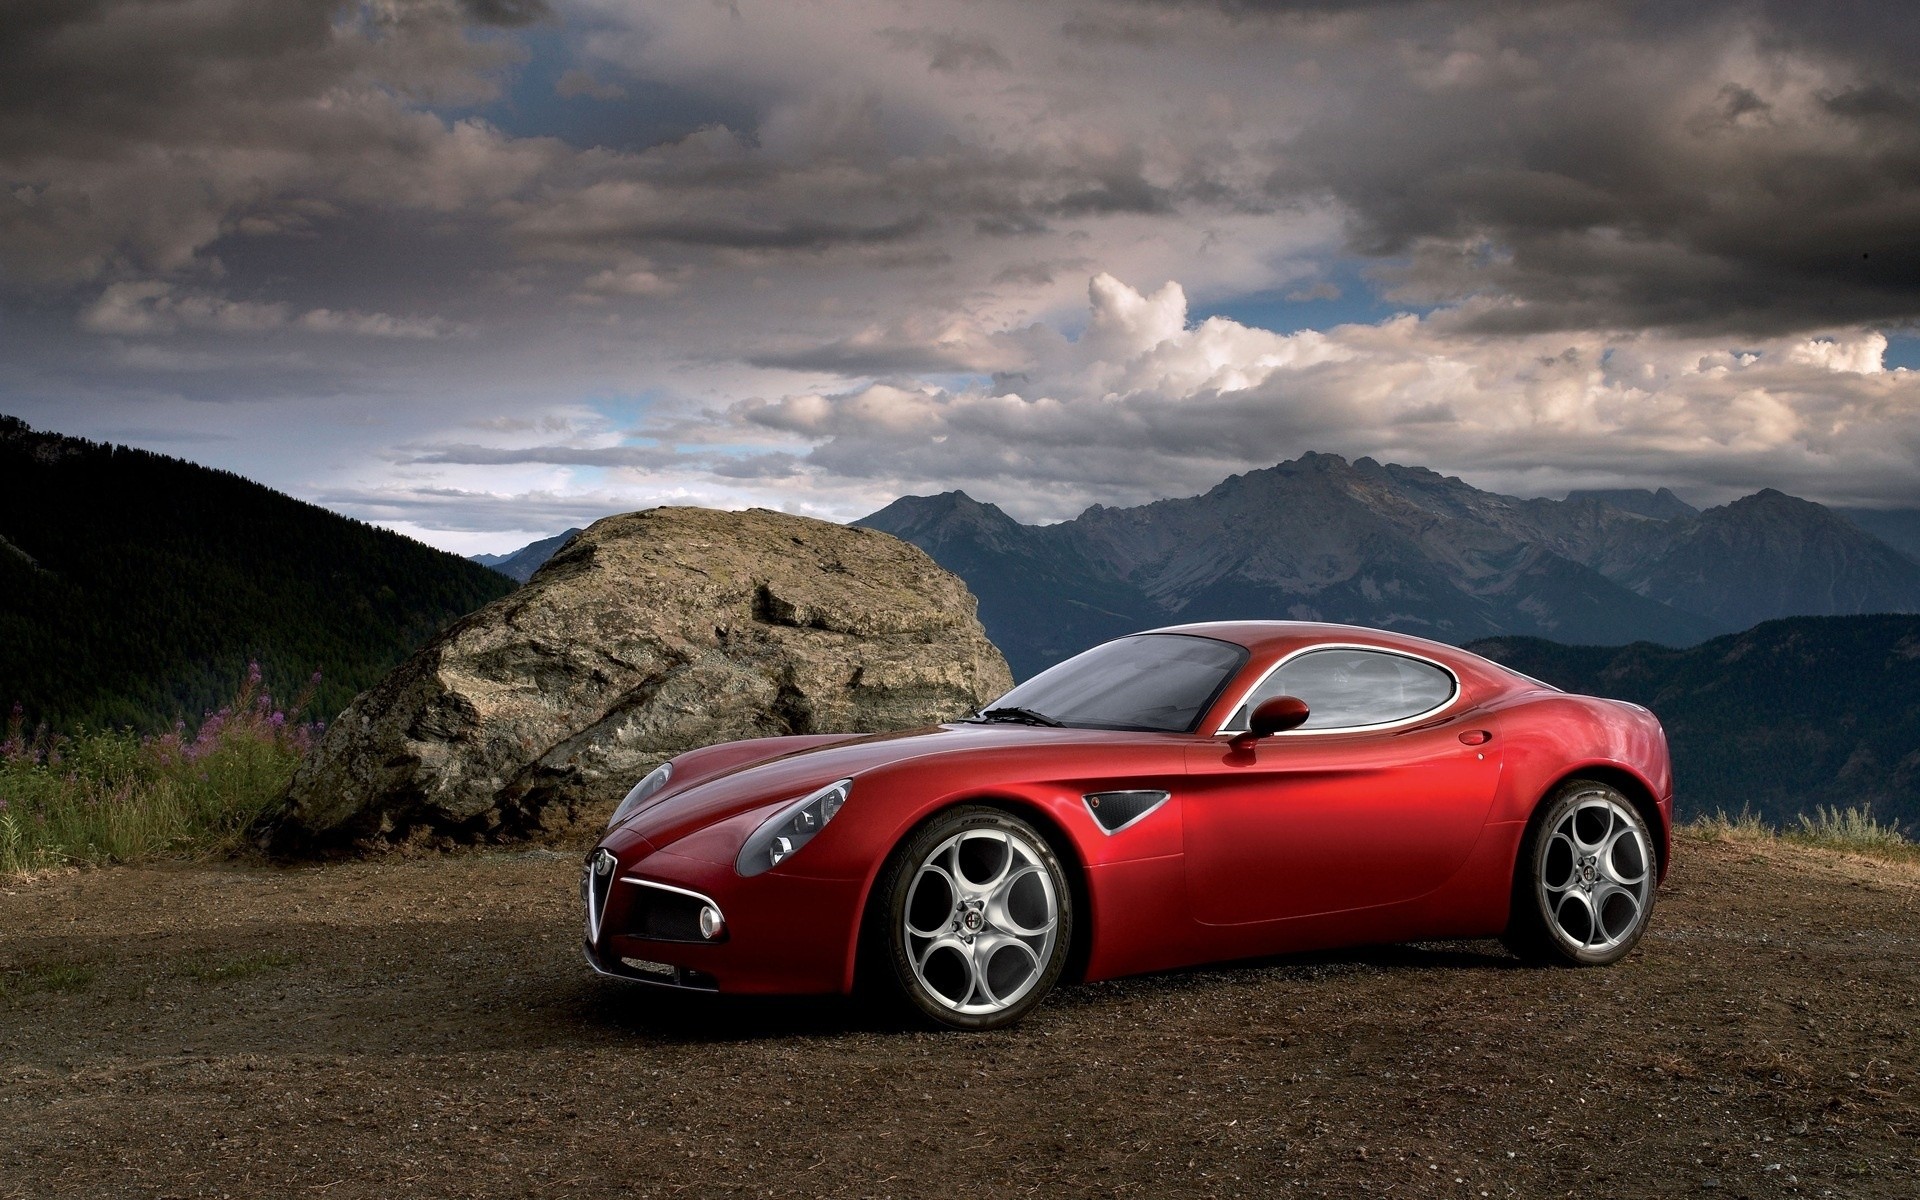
[662,1014]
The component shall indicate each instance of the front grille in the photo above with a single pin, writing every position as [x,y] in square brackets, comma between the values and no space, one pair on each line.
[595,886]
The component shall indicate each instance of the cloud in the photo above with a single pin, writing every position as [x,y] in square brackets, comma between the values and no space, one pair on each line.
[635,278]
[136,133]
[553,455]
[1532,413]
[375,324]
[955,52]
[820,253]
[578,82]
[1706,168]
[152,307]
[509,13]
[1722,167]
[530,514]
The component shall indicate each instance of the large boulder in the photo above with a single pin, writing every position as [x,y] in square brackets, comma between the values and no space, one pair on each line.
[651,633]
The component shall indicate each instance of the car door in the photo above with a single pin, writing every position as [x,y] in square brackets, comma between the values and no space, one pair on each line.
[1377,799]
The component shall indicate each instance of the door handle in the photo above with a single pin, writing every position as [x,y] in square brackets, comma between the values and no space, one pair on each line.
[1476,737]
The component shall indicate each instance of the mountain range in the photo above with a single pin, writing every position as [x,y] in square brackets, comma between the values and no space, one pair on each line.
[134,587]
[522,563]
[1775,719]
[1322,538]
[1897,527]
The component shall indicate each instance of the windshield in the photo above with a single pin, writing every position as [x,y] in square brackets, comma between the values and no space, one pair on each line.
[1160,682]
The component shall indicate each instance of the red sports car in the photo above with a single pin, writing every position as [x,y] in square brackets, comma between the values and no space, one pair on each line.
[1180,796]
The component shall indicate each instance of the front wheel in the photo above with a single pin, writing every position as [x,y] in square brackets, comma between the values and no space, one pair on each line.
[1583,887]
[978,919]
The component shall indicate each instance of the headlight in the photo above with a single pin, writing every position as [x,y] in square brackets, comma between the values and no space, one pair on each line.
[646,787]
[791,828]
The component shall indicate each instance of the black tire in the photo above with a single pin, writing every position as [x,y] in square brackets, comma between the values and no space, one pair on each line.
[1585,879]
[930,962]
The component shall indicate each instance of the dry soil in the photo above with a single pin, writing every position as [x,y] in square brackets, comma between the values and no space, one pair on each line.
[426,1028]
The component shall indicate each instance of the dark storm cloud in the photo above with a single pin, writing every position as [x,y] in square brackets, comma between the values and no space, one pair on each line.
[1712,167]
[509,14]
[417,215]
[799,234]
[135,133]
[1732,165]
[949,51]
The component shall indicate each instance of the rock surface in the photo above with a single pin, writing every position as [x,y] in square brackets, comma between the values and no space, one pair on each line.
[651,633]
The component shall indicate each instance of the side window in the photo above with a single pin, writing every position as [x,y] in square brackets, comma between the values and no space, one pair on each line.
[1345,689]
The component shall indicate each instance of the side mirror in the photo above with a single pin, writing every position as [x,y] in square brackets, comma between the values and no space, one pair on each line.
[1277,714]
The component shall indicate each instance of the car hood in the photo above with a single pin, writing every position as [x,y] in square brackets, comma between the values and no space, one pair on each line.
[707,800]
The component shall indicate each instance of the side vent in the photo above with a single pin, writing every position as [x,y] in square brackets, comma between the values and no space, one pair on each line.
[1114,811]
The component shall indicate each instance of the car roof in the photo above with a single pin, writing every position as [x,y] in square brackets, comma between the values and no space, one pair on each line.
[1268,637]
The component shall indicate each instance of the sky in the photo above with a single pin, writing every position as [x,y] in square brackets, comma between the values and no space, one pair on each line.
[480,270]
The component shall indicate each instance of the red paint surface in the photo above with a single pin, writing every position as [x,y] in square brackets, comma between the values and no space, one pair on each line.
[1302,841]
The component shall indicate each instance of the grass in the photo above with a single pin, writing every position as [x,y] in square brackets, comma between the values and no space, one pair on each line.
[111,797]
[238,966]
[1854,830]
[45,977]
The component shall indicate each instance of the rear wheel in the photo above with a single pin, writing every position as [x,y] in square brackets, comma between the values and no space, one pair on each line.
[978,919]
[1583,887]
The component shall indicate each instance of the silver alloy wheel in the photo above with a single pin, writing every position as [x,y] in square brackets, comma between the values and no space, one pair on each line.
[981,920]
[1596,876]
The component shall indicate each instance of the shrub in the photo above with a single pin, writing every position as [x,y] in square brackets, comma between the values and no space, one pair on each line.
[1720,825]
[1846,828]
[1854,829]
[113,796]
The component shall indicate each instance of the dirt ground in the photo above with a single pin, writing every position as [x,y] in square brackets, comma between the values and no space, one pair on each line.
[426,1028]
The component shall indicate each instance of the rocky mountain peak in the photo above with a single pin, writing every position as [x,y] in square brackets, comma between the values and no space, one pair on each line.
[1771,555]
[1405,547]
[1661,505]
[944,518]
[1773,511]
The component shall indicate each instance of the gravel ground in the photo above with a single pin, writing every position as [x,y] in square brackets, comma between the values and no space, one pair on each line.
[426,1027]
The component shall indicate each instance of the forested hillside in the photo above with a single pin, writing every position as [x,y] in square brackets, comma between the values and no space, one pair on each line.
[134,587]
[1783,717]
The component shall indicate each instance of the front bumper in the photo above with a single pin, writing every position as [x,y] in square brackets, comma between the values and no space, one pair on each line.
[784,934]
[643,970]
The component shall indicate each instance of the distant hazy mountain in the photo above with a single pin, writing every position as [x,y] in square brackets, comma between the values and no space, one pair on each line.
[1772,555]
[1042,598]
[135,587]
[522,563]
[1897,527]
[1662,505]
[1404,548]
[1779,718]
